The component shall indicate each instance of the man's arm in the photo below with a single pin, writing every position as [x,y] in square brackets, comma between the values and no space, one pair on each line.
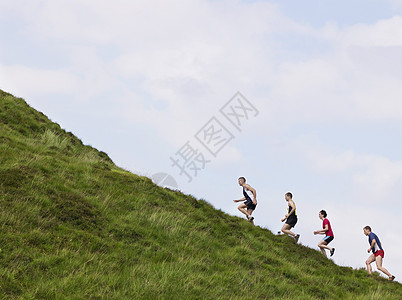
[242,199]
[322,231]
[293,206]
[373,242]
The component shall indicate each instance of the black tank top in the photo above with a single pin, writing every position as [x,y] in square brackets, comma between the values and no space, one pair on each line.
[247,196]
[293,215]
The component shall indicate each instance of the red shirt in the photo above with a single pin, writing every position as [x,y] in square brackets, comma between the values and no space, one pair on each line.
[329,231]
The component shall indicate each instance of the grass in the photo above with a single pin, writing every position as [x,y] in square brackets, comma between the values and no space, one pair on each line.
[75,226]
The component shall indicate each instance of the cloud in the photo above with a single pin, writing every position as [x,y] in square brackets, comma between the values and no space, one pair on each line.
[206,51]
[380,182]
[384,33]
[353,78]
[177,73]
[368,179]
[33,81]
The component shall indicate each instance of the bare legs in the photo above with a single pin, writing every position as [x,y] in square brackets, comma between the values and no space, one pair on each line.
[286,229]
[242,208]
[323,245]
[248,212]
[369,260]
[378,261]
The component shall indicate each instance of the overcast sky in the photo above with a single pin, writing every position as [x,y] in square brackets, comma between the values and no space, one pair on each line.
[151,83]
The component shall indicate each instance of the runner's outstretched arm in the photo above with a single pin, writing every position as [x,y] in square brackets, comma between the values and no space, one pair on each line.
[322,231]
[242,199]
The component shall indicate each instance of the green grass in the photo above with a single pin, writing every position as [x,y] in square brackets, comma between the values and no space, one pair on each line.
[75,226]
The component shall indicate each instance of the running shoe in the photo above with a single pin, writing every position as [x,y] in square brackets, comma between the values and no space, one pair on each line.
[392,278]
[251,219]
[332,251]
[297,237]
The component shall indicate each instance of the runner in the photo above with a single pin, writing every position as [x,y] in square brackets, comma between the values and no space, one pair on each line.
[248,193]
[378,253]
[327,230]
[290,217]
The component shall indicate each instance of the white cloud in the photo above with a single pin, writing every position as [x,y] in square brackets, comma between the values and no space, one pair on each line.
[368,179]
[204,52]
[24,80]
[229,155]
[384,33]
[356,78]
[197,52]
[381,181]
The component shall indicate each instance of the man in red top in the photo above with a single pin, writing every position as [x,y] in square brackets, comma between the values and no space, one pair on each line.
[327,230]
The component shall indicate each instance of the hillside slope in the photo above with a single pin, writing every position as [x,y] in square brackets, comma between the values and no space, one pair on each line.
[75,226]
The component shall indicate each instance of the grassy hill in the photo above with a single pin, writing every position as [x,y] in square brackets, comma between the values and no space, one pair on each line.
[76,226]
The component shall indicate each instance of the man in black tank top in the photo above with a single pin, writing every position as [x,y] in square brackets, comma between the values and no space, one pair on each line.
[290,217]
[250,199]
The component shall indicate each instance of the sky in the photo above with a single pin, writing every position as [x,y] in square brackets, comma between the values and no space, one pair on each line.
[300,96]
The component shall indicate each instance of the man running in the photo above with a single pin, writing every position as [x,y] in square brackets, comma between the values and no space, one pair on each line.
[327,230]
[378,253]
[248,193]
[290,217]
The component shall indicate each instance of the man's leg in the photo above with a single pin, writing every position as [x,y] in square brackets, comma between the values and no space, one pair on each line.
[250,211]
[286,229]
[242,208]
[323,245]
[369,260]
[378,261]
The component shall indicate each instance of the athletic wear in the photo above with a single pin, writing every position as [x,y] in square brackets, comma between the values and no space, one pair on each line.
[247,194]
[328,239]
[291,222]
[249,202]
[379,253]
[332,251]
[292,218]
[372,236]
[329,231]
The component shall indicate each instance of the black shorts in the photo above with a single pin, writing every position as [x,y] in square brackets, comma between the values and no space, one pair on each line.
[291,221]
[250,204]
[328,239]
